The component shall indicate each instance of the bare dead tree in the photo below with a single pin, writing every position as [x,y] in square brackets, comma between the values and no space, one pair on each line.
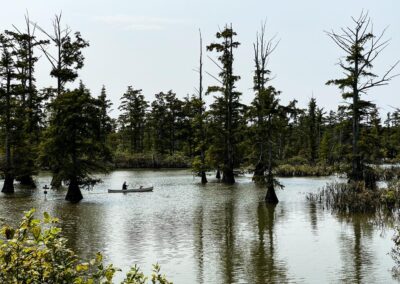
[263,49]
[201,114]
[68,57]
[265,109]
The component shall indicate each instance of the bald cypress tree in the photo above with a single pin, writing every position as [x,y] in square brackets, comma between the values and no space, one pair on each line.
[362,47]
[65,61]
[228,104]
[313,124]
[105,119]
[8,100]
[266,115]
[262,103]
[73,145]
[133,118]
[31,102]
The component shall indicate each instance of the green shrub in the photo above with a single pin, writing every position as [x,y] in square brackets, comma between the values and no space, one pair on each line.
[35,252]
[149,160]
[390,196]
[287,170]
[297,160]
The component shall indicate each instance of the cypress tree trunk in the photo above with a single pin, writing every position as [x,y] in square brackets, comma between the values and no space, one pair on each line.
[8,186]
[27,180]
[203,177]
[271,197]
[228,176]
[74,194]
[259,176]
[218,175]
[357,170]
[55,180]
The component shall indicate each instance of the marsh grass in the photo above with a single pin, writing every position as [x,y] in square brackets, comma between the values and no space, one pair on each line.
[287,170]
[356,197]
[347,197]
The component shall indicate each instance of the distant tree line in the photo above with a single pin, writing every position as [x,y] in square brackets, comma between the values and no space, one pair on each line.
[71,133]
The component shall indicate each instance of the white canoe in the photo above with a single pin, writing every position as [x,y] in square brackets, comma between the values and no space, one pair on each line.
[142,189]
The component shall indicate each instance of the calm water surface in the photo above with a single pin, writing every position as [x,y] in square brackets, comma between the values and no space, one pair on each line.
[215,233]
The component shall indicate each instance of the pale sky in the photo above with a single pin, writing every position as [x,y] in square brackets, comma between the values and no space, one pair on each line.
[154,44]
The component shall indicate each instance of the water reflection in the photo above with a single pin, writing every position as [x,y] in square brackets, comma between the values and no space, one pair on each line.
[198,238]
[268,269]
[313,217]
[216,233]
[357,258]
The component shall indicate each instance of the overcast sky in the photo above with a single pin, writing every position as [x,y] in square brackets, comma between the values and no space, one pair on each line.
[154,44]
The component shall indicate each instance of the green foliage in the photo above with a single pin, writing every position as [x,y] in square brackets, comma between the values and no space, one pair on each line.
[313,129]
[361,47]
[303,170]
[28,103]
[166,121]
[106,125]
[72,146]
[390,196]
[150,160]
[36,252]
[132,119]
[226,110]
[198,166]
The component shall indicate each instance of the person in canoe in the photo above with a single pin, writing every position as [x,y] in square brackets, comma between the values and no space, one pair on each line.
[124,186]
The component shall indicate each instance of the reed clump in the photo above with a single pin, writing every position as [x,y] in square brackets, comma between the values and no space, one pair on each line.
[357,197]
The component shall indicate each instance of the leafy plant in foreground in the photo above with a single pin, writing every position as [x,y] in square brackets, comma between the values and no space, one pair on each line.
[35,252]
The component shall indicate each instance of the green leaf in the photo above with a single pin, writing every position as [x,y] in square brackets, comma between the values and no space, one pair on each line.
[47,218]
[36,232]
[82,267]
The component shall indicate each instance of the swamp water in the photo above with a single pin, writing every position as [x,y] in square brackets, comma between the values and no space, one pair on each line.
[215,233]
